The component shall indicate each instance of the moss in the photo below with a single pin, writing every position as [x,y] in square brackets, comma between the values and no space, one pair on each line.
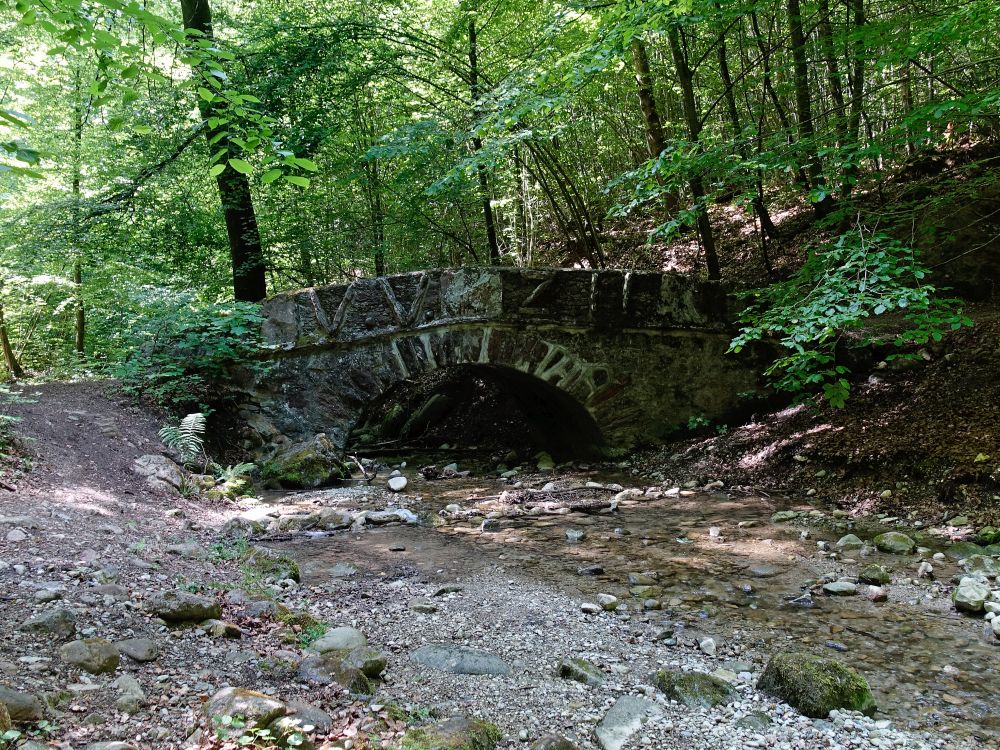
[695,689]
[266,563]
[453,734]
[4,718]
[815,686]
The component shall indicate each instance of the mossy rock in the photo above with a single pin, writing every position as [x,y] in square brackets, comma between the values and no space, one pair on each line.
[815,685]
[4,719]
[877,575]
[330,668]
[895,543]
[458,733]
[581,670]
[988,535]
[269,564]
[961,550]
[695,689]
[305,465]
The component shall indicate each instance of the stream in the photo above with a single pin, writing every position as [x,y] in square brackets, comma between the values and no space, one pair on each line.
[716,564]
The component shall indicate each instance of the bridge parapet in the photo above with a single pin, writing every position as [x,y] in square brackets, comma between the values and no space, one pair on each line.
[568,298]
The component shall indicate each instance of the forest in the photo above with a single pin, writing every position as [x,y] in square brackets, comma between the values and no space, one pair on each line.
[499,374]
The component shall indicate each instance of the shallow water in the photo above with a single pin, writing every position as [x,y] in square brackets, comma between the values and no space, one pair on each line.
[929,667]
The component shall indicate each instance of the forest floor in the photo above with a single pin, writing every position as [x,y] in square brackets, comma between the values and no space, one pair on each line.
[86,548]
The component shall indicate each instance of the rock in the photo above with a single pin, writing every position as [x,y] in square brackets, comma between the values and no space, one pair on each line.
[815,686]
[959,521]
[159,471]
[371,663]
[221,629]
[4,719]
[925,570]
[961,550]
[59,623]
[850,542]
[545,462]
[575,535]
[331,667]
[762,570]
[970,595]
[305,465]
[130,698]
[139,649]
[114,745]
[94,655]
[340,639]
[16,535]
[589,608]
[988,566]
[695,689]
[188,551]
[581,670]
[554,742]
[894,542]
[784,516]
[590,570]
[397,484]
[457,733]
[840,588]
[641,579]
[181,606]
[608,602]
[459,660]
[309,715]
[876,593]
[422,604]
[756,721]
[21,707]
[257,709]
[624,719]
[274,565]
[707,646]
[875,574]
[988,535]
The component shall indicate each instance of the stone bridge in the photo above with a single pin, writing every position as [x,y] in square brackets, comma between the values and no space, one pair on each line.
[624,358]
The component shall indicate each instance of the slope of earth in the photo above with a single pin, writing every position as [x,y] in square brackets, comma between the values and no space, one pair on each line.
[917,437]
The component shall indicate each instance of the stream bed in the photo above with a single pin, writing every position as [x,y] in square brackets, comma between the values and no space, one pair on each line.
[690,563]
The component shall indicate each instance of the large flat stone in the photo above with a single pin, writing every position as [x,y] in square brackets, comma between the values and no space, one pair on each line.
[459,660]
[624,719]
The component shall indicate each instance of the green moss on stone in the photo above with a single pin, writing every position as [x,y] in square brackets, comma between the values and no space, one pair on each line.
[815,686]
[453,734]
[695,689]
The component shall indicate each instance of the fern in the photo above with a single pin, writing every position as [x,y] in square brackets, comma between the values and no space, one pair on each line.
[224,474]
[186,438]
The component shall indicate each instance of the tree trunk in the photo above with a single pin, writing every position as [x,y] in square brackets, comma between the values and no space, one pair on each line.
[9,358]
[803,104]
[246,253]
[655,141]
[80,322]
[685,77]
[907,96]
[477,145]
[825,31]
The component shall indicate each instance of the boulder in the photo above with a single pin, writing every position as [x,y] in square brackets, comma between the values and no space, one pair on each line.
[961,550]
[257,709]
[971,595]
[340,639]
[695,689]
[139,649]
[840,588]
[894,542]
[581,670]
[371,663]
[849,543]
[877,575]
[59,623]
[624,719]
[815,685]
[305,465]
[988,566]
[459,659]
[130,695]
[271,564]
[159,471]
[331,668]
[94,655]
[21,706]
[457,733]
[397,484]
[180,606]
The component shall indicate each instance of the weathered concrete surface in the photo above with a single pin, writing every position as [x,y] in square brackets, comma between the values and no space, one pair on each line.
[641,352]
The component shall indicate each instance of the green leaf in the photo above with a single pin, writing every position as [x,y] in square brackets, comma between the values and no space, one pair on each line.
[270,176]
[216,170]
[205,94]
[296,180]
[243,167]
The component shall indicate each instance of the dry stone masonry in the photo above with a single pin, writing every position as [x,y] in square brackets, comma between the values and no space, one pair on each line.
[639,353]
